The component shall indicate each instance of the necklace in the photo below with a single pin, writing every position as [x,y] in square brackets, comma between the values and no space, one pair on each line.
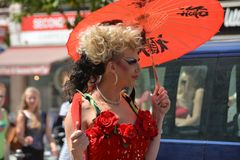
[107,100]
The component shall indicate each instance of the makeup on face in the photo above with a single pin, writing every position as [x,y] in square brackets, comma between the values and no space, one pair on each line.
[129,61]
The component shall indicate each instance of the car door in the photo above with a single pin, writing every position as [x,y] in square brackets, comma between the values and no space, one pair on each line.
[185,142]
[223,129]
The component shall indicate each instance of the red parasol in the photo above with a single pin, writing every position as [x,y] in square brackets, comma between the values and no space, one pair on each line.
[173,27]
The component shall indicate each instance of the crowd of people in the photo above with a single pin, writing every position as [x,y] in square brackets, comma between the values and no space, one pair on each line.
[112,123]
[29,129]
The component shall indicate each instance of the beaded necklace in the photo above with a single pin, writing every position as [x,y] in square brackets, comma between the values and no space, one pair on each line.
[106,99]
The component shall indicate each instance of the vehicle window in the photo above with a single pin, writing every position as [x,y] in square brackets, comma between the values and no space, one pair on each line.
[232,96]
[189,97]
[233,117]
[145,86]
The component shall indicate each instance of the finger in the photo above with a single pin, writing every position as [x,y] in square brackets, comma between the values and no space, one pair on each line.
[76,134]
[160,95]
[77,125]
[155,92]
[83,143]
[157,100]
[163,97]
[85,140]
[165,103]
[162,90]
[161,100]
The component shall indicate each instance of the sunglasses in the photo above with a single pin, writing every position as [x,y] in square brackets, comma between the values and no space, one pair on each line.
[131,61]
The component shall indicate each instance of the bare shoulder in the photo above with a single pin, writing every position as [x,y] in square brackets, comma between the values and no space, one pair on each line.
[88,114]
[20,115]
[86,109]
[85,104]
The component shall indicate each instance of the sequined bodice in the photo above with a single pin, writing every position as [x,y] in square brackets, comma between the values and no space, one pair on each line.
[111,140]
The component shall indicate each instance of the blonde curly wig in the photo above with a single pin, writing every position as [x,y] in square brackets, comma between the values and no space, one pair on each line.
[104,42]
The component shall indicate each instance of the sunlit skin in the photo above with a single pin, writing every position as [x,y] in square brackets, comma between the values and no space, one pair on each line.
[128,67]
[32,101]
[2,100]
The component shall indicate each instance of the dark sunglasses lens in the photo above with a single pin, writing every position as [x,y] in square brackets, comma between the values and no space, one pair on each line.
[131,61]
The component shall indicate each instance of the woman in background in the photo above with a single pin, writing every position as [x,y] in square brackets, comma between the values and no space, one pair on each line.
[3,123]
[190,95]
[32,124]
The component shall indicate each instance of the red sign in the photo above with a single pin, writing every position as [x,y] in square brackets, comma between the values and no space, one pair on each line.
[49,22]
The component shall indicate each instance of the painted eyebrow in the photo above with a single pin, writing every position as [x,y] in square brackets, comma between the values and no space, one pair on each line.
[132,58]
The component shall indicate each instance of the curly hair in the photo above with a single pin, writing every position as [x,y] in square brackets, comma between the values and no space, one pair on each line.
[102,42]
[83,70]
[99,44]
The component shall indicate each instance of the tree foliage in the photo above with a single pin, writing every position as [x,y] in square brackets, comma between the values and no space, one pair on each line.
[30,7]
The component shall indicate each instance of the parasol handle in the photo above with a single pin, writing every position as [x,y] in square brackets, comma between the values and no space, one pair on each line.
[155,73]
[155,76]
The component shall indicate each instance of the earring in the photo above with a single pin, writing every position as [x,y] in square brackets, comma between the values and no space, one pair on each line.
[90,86]
[99,79]
[116,78]
[92,83]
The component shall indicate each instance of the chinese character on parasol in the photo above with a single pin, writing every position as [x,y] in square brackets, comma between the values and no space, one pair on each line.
[173,27]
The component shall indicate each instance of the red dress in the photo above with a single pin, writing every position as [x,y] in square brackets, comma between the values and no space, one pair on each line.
[110,140]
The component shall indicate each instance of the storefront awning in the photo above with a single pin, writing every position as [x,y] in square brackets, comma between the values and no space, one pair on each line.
[30,60]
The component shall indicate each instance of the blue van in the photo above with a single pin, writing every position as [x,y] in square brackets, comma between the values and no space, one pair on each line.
[203,122]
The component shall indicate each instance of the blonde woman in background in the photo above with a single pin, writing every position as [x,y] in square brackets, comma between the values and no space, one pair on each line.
[32,124]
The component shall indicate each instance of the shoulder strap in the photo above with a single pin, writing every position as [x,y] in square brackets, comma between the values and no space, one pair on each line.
[130,102]
[93,103]
[132,94]
[76,109]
